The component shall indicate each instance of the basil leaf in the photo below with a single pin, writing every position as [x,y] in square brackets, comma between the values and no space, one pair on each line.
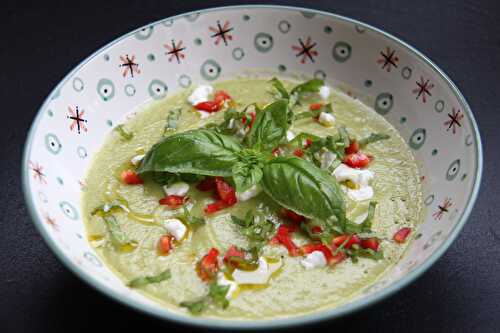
[145,280]
[172,120]
[311,86]
[126,136]
[283,93]
[257,233]
[201,152]
[298,185]
[355,251]
[374,137]
[118,237]
[195,307]
[218,295]
[270,126]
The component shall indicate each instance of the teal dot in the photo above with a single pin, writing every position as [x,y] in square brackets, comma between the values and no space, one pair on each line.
[246,17]
[151,57]
[106,57]
[60,181]
[434,152]
[328,29]
[282,68]
[463,177]
[402,120]
[53,144]
[368,83]
[197,41]
[50,113]
[109,122]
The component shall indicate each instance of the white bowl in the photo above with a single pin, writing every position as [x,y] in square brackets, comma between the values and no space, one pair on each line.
[384,72]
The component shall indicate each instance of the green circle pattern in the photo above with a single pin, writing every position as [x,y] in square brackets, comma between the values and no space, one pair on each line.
[78,84]
[238,54]
[284,26]
[106,89]
[384,103]
[417,139]
[157,89]
[68,210]
[341,51]
[406,73]
[439,106]
[210,70]
[263,42]
[53,144]
[429,199]
[144,33]
[129,90]
[184,81]
[319,74]
[81,152]
[453,170]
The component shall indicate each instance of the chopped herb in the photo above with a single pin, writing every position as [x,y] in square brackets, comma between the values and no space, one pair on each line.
[257,233]
[356,251]
[216,296]
[327,108]
[145,280]
[374,137]
[118,237]
[126,136]
[172,120]
[107,208]
[311,86]
[193,220]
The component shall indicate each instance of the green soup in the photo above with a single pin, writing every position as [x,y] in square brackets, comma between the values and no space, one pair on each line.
[293,289]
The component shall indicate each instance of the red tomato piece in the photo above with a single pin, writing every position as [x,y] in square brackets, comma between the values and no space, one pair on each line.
[215,207]
[283,237]
[370,243]
[165,244]
[357,160]
[226,192]
[221,96]
[337,258]
[298,152]
[130,177]
[308,143]
[252,119]
[353,147]
[206,184]
[316,229]
[401,234]
[309,248]
[315,106]
[291,216]
[208,266]
[208,106]
[349,239]
[232,252]
[173,201]
[277,151]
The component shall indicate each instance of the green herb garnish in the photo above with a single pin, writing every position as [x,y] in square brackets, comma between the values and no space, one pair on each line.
[216,296]
[193,220]
[117,236]
[145,280]
[257,233]
[172,120]
[374,137]
[126,136]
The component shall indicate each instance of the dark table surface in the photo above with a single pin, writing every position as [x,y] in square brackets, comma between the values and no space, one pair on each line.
[41,43]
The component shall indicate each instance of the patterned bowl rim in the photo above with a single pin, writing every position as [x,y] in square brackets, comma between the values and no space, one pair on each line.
[268,323]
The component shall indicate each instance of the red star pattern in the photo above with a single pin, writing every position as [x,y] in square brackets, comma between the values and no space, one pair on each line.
[130,65]
[305,50]
[454,122]
[37,172]
[442,209]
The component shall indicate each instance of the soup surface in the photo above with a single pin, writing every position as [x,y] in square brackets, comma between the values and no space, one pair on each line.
[125,221]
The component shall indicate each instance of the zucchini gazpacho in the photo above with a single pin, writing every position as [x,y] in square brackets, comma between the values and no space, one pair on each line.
[253,199]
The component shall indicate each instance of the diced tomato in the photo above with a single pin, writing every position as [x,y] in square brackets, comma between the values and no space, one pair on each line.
[315,106]
[206,184]
[165,244]
[221,96]
[232,252]
[370,243]
[349,239]
[357,160]
[252,119]
[208,266]
[401,234]
[277,151]
[215,207]
[298,152]
[309,248]
[226,192]
[173,201]
[337,258]
[208,106]
[308,143]
[316,229]
[353,147]
[129,177]
[291,216]
[283,237]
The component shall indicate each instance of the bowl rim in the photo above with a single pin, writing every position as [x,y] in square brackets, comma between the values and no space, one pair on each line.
[281,322]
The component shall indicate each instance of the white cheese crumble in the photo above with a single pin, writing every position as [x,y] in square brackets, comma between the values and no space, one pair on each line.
[200,94]
[136,160]
[248,194]
[175,227]
[290,135]
[326,119]
[359,177]
[259,276]
[314,259]
[179,188]
[223,281]
[324,92]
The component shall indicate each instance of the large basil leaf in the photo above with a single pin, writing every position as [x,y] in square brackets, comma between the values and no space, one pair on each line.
[201,151]
[302,187]
[270,126]
[311,86]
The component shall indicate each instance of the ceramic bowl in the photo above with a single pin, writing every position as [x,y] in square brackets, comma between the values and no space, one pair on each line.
[153,62]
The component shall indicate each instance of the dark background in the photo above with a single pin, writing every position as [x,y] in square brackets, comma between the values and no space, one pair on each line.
[40,43]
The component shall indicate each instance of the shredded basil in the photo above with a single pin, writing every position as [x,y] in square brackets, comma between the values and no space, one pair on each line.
[257,233]
[117,236]
[193,220]
[216,296]
[327,108]
[126,136]
[374,137]
[145,280]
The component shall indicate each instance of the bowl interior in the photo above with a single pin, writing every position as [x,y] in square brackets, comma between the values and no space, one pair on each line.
[201,47]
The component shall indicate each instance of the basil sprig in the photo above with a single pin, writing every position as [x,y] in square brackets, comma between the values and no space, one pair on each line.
[145,280]
[270,126]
